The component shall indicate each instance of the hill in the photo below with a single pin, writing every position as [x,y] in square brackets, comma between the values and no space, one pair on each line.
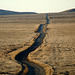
[70,10]
[7,12]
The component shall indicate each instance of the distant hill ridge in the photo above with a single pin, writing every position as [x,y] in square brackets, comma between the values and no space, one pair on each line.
[7,12]
[70,10]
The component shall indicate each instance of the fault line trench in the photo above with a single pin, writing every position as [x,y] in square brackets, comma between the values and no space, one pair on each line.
[22,53]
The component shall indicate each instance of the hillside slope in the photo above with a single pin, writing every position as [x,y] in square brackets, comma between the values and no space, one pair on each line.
[7,12]
[70,10]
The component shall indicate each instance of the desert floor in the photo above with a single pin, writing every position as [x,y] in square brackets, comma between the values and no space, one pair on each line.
[58,49]
[15,32]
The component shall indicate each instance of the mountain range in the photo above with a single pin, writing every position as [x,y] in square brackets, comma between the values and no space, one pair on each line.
[70,10]
[7,12]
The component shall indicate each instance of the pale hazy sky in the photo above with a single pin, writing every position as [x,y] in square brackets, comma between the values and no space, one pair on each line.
[39,6]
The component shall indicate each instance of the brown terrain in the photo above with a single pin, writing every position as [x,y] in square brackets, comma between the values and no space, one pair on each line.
[58,48]
[16,31]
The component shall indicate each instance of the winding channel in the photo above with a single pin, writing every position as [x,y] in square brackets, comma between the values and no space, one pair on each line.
[34,69]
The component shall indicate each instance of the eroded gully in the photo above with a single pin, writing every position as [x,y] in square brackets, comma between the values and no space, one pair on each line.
[34,69]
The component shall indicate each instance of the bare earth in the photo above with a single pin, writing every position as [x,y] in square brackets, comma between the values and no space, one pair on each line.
[15,31]
[58,49]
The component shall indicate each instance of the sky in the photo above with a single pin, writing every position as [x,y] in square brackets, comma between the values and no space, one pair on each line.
[39,6]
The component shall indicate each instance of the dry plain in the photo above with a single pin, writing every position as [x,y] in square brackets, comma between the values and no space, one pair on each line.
[58,49]
[15,32]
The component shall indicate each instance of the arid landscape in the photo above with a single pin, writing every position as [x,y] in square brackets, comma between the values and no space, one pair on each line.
[58,47]
[16,31]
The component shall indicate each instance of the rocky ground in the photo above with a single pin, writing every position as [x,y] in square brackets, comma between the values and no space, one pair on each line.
[58,49]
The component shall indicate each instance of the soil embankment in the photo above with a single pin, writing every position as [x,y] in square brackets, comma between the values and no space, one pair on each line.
[22,57]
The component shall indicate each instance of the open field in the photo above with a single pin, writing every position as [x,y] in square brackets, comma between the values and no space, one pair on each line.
[15,31]
[58,49]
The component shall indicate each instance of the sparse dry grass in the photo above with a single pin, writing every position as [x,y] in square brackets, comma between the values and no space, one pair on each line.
[58,49]
[15,32]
